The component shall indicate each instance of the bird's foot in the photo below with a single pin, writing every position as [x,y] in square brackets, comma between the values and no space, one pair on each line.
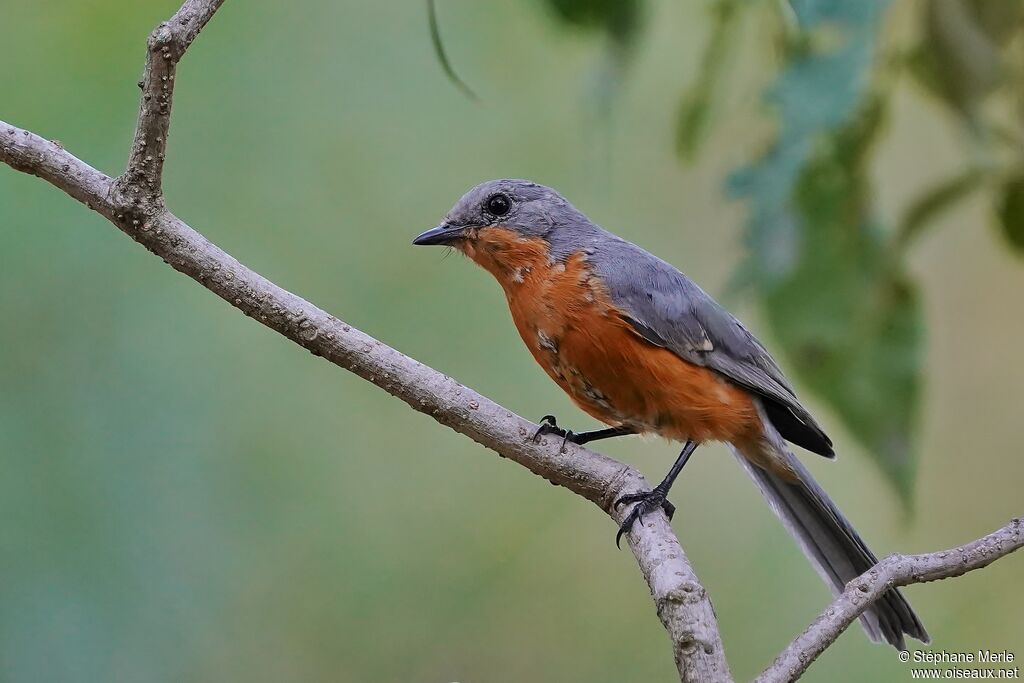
[646,502]
[549,425]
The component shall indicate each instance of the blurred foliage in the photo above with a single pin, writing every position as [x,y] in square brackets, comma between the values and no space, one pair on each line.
[830,274]
[701,99]
[844,312]
[442,56]
[932,203]
[960,57]
[1011,211]
[618,22]
[971,57]
[618,19]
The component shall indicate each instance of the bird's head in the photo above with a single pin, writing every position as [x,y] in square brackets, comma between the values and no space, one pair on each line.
[521,206]
[505,224]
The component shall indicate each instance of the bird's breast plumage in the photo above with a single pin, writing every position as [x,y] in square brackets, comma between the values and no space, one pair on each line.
[587,345]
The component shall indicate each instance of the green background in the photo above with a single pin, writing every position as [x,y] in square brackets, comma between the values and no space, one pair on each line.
[187,496]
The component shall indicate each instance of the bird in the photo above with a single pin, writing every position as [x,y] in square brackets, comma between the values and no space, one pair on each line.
[639,346]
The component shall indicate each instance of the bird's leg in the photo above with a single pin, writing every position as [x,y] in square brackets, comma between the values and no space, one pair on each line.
[549,425]
[649,501]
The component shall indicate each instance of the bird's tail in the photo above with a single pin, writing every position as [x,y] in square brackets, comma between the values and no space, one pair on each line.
[832,545]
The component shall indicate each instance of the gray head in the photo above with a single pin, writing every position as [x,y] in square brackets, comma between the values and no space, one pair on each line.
[530,209]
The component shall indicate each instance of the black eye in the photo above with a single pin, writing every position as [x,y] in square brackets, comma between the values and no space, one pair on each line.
[498,204]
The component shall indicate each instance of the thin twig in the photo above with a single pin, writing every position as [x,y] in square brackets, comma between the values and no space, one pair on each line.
[893,571]
[442,54]
[166,46]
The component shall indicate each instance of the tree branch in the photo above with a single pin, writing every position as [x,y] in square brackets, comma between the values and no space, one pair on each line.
[893,571]
[27,152]
[134,203]
[166,46]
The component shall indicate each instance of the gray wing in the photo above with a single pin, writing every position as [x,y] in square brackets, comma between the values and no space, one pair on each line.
[670,310]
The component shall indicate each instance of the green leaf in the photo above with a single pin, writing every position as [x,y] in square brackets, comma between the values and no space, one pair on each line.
[700,99]
[935,200]
[959,58]
[844,311]
[1011,212]
[818,90]
[999,19]
[847,315]
[619,19]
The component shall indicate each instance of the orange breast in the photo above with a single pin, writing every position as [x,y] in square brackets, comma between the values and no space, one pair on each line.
[583,342]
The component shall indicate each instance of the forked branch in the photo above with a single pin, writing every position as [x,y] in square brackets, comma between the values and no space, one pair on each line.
[891,572]
[134,203]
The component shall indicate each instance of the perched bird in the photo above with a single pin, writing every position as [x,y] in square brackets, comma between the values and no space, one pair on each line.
[639,346]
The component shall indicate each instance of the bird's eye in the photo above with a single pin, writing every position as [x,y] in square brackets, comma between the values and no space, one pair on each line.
[498,205]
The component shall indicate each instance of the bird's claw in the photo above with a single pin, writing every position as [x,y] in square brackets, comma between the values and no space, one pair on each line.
[549,425]
[646,502]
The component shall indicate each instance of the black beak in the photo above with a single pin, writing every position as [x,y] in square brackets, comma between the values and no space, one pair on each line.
[442,234]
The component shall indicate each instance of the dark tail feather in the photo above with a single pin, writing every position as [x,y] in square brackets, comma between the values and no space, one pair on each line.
[834,547]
